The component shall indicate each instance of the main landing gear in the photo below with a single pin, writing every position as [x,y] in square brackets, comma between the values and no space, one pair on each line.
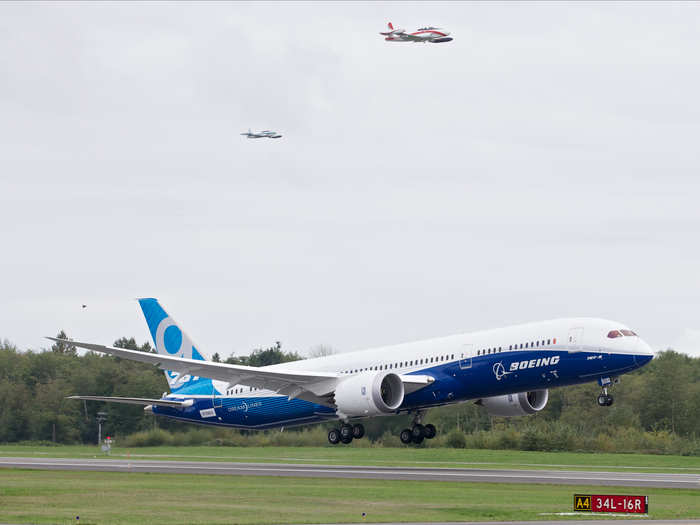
[605,399]
[346,433]
[418,432]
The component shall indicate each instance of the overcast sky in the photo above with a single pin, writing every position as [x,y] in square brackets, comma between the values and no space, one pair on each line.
[543,164]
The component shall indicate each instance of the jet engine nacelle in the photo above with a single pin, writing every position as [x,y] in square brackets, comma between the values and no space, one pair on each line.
[369,394]
[520,404]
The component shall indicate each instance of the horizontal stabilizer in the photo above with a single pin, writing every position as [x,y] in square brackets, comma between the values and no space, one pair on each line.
[138,401]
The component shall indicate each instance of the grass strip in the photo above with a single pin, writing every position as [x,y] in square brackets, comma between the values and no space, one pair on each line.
[29,496]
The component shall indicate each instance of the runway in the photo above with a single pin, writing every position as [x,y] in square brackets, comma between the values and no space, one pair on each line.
[567,522]
[559,477]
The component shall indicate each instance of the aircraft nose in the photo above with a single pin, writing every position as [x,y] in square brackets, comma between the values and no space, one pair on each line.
[645,348]
[644,352]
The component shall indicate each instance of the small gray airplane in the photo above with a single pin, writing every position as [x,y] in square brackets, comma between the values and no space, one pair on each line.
[267,134]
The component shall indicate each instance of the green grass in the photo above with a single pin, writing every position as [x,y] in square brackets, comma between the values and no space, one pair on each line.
[28,496]
[414,457]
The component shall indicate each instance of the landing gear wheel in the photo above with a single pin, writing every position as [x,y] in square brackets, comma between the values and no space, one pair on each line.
[605,400]
[334,436]
[346,440]
[429,431]
[358,431]
[406,436]
[345,432]
[418,433]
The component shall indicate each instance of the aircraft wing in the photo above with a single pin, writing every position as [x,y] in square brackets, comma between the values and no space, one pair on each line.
[291,383]
[311,386]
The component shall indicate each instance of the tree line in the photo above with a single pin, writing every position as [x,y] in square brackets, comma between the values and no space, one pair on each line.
[656,409]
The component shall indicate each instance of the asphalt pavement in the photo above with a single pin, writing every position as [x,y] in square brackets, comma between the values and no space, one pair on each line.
[559,477]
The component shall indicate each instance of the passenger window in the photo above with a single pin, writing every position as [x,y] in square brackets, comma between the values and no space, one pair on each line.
[525,345]
[548,341]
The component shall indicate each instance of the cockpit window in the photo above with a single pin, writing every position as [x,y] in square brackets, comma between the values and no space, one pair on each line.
[612,334]
[627,332]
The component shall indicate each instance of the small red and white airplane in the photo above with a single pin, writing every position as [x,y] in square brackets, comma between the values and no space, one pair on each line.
[434,35]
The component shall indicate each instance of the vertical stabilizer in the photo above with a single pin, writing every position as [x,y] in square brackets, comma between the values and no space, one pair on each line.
[170,339]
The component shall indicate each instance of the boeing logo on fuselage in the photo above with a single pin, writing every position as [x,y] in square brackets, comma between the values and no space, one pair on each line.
[500,371]
[534,363]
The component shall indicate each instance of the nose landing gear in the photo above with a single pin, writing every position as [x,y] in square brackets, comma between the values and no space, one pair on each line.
[605,399]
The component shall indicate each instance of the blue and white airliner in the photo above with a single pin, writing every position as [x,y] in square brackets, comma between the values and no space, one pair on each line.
[508,371]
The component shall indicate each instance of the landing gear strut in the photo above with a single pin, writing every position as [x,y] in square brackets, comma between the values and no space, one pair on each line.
[346,433]
[418,432]
[605,399]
